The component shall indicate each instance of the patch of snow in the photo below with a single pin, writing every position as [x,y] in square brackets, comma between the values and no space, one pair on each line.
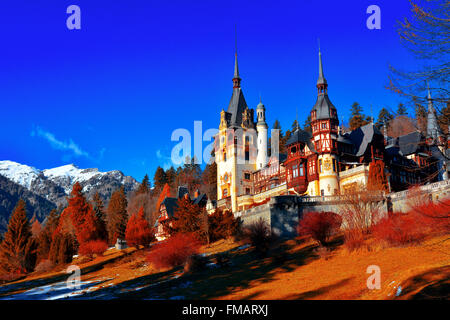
[55,291]
[19,173]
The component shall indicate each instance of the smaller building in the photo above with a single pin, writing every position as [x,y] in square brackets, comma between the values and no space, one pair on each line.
[170,204]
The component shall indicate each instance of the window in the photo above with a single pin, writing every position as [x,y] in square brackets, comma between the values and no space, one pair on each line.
[247,190]
[224,156]
[322,192]
[247,155]
[225,193]
[247,176]
[301,170]
[324,125]
[334,165]
[320,165]
[294,171]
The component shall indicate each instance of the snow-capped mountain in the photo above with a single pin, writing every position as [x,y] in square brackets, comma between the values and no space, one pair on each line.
[54,185]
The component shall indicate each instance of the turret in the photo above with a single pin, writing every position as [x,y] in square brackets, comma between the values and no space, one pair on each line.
[261,127]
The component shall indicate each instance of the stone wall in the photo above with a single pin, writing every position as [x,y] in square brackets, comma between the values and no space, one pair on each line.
[282,213]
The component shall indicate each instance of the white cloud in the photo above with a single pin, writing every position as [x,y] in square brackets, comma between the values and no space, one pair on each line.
[58,144]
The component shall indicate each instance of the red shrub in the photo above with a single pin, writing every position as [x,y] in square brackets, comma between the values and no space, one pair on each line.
[175,251]
[400,229]
[423,219]
[92,247]
[319,225]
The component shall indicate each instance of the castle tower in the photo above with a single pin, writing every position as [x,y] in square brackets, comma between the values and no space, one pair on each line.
[261,127]
[324,125]
[235,148]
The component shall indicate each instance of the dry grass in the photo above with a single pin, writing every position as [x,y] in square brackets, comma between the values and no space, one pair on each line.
[294,269]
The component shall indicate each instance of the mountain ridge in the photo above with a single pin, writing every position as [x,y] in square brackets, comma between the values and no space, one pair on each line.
[49,188]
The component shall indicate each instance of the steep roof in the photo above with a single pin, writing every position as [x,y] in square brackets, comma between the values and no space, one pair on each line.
[300,135]
[323,107]
[363,136]
[236,107]
[409,143]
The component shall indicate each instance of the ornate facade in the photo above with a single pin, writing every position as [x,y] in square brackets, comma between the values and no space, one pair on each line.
[323,162]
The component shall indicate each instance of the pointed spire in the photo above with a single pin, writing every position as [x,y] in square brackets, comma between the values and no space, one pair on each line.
[321,79]
[236,68]
[321,82]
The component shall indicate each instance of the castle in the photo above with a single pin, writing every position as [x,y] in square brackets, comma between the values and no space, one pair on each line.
[323,162]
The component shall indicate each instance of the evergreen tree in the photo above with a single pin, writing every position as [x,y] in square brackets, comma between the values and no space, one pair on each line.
[401,110]
[384,117]
[46,235]
[421,116]
[444,118]
[294,125]
[210,180]
[17,249]
[160,179]
[171,176]
[117,215]
[188,218]
[82,216]
[144,187]
[307,124]
[138,231]
[357,119]
[99,210]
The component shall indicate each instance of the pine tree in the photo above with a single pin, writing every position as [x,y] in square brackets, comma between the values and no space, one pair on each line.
[99,210]
[138,231]
[357,119]
[384,118]
[421,116]
[36,228]
[144,187]
[160,179]
[171,176]
[16,248]
[117,215]
[82,215]
[164,193]
[307,124]
[187,219]
[401,110]
[46,235]
[210,180]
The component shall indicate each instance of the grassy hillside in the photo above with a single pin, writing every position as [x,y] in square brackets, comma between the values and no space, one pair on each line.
[295,269]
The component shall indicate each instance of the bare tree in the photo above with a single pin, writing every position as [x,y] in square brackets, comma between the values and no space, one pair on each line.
[427,36]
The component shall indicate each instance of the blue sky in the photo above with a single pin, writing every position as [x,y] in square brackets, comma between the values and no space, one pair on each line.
[111,94]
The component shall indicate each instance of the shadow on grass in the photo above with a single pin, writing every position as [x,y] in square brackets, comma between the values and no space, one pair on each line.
[246,271]
[314,293]
[430,285]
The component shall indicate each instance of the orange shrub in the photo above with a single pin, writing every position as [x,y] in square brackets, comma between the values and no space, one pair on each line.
[138,231]
[319,225]
[175,251]
[93,247]
[423,219]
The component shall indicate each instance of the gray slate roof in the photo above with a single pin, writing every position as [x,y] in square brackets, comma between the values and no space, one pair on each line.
[300,135]
[323,107]
[236,107]
[362,136]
